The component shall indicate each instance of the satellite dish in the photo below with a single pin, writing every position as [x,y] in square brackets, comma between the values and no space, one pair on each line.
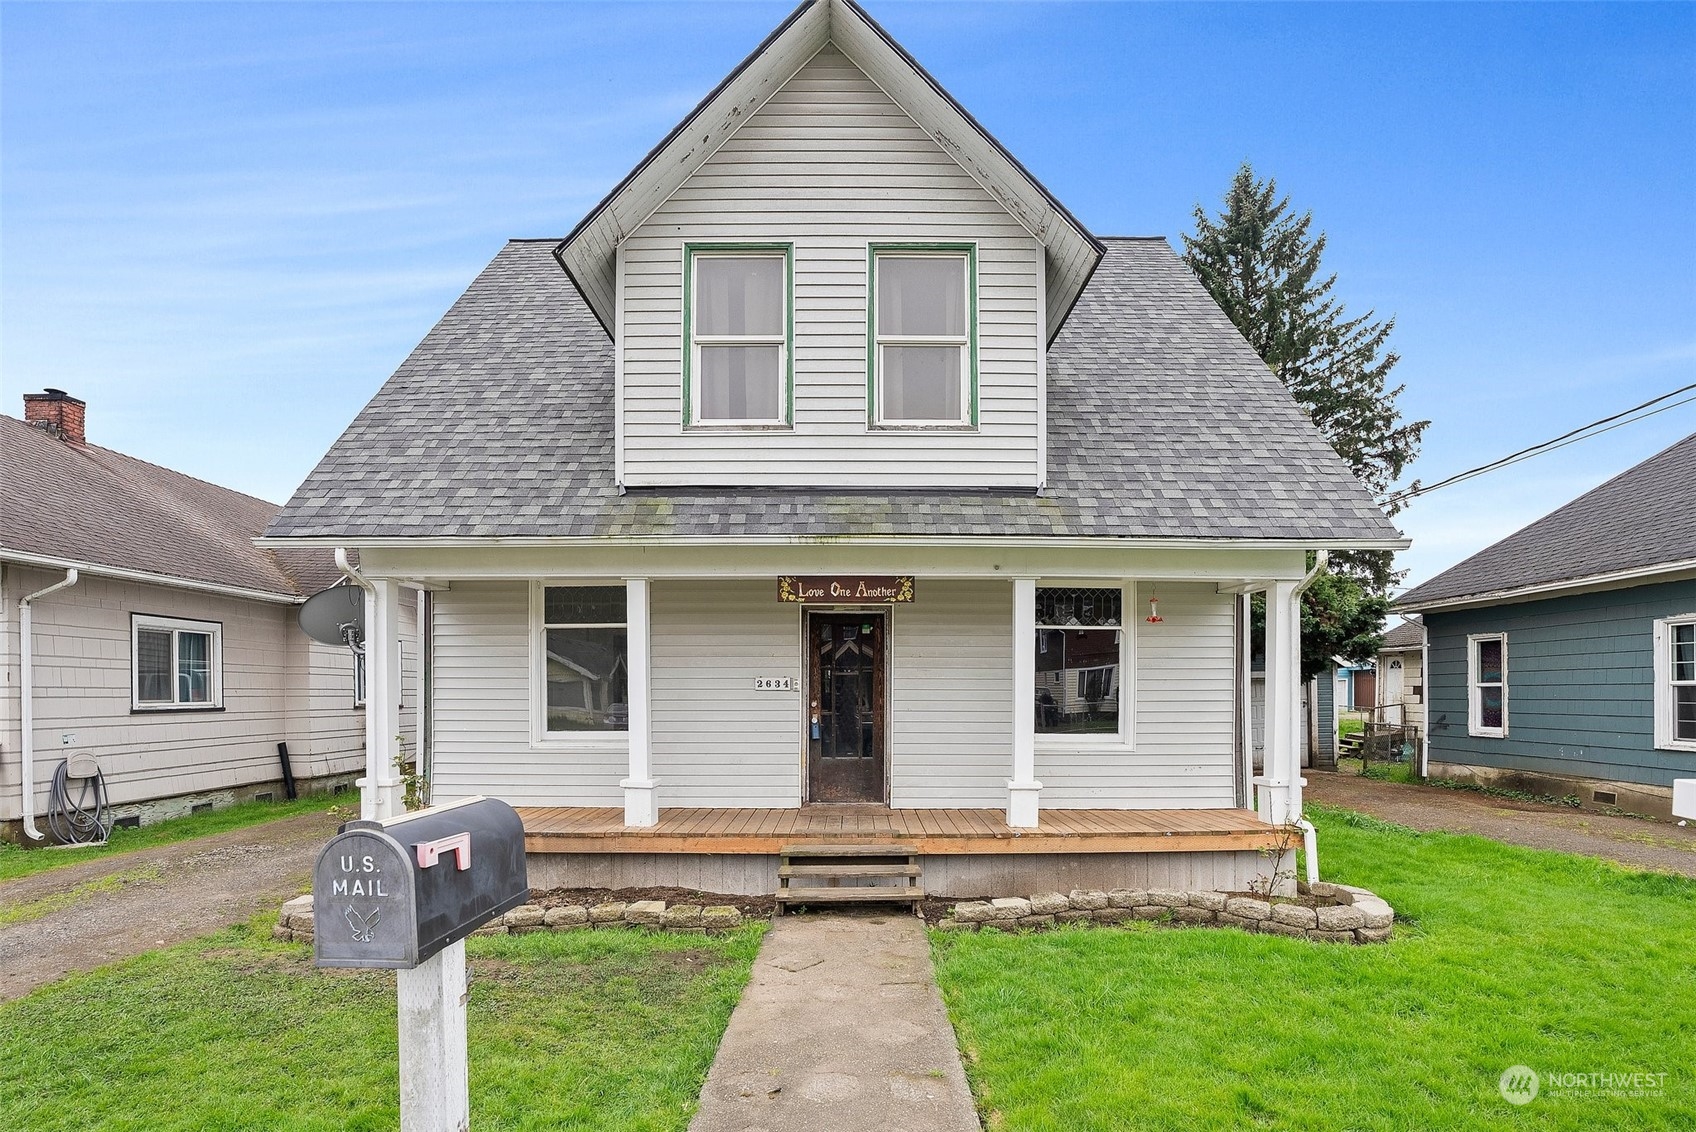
[335,616]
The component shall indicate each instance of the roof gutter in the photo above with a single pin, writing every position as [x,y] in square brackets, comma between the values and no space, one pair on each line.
[95,570]
[26,680]
[1612,580]
[990,542]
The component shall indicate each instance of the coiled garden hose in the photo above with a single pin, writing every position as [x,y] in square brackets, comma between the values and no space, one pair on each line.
[82,820]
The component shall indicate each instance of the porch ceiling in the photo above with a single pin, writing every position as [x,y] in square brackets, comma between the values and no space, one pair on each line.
[584,829]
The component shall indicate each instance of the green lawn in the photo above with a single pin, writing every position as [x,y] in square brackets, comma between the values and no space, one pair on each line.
[585,1030]
[16,861]
[1502,956]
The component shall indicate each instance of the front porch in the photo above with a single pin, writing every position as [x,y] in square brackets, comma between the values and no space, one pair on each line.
[737,831]
[965,852]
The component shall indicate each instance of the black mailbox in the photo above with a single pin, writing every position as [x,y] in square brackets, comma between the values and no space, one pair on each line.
[393,893]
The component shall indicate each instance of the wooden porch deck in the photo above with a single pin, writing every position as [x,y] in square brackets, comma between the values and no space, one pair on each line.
[767,831]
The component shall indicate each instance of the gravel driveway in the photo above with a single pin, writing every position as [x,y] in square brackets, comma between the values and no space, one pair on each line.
[1637,842]
[86,915]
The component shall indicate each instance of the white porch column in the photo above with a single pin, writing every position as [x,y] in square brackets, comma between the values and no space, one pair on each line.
[641,808]
[1280,780]
[380,790]
[1023,788]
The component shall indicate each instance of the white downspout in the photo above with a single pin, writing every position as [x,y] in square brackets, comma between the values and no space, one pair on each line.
[1309,835]
[26,680]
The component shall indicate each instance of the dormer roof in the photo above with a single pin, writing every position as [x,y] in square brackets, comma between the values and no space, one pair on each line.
[1071,253]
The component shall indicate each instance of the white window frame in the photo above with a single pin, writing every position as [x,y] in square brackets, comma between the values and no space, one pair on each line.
[1125,737]
[966,254]
[540,736]
[1474,699]
[359,676]
[783,340]
[1665,701]
[174,626]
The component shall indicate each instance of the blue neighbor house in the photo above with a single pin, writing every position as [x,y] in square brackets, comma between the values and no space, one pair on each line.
[1563,658]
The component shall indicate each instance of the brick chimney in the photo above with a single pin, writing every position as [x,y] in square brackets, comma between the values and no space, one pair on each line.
[58,412]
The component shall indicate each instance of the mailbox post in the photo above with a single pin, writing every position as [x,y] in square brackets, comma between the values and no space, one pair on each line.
[403,893]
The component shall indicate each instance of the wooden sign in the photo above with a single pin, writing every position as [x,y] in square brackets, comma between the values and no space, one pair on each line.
[845,589]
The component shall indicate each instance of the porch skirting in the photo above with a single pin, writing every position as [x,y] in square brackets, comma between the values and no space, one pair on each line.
[955,876]
[965,852]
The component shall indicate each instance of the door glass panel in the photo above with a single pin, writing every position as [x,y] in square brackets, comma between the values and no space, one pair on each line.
[846,674]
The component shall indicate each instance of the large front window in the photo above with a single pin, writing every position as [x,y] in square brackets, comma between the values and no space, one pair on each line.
[175,663]
[1675,683]
[585,659]
[1079,658]
[737,356]
[922,344]
[1487,672]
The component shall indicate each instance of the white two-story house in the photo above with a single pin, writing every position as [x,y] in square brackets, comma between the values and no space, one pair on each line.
[831,479]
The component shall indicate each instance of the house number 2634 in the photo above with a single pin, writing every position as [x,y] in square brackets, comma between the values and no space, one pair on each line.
[774,683]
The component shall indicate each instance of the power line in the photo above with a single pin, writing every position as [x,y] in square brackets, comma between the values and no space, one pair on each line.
[1585,432]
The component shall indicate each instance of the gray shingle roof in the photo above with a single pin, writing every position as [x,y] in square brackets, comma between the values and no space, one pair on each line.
[1643,517]
[1163,423]
[84,503]
[1403,635]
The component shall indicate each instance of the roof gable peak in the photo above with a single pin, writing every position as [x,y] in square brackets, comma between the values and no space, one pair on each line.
[1071,253]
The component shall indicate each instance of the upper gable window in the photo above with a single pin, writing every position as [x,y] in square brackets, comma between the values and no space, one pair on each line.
[923,348]
[738,330]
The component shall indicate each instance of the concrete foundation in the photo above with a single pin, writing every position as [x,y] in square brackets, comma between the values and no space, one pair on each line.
[1597,794]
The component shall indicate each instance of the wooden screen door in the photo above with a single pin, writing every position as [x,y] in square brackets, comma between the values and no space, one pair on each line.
[844,721]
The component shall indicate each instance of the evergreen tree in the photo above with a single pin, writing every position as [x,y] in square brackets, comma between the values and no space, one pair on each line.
[1261,264]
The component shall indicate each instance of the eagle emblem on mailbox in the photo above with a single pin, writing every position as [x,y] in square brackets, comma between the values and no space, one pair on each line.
[362,924]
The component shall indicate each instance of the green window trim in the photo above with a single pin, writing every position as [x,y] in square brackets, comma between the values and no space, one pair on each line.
[970,252]
[690,251]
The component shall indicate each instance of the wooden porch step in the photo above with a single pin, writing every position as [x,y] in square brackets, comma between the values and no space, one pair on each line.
[847,851]
[909,870]
[887,894]
[822,868]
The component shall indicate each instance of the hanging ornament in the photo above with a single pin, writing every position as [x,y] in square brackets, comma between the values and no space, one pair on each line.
[1153,617]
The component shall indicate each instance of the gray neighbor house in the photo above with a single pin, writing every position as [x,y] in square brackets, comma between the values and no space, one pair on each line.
[832,481]
[1563,658]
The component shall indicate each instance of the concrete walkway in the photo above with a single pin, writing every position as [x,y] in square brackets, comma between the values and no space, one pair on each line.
[841,1029]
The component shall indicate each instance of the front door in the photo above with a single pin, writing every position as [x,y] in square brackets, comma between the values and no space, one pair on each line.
[845,728]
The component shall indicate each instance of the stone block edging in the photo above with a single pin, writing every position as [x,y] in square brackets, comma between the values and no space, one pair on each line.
[1344,914]
[296,923]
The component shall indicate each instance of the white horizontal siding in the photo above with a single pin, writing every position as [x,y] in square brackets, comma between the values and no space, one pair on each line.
[951,733]
[481,680]
[1185,714]
[716,741]
[831,164]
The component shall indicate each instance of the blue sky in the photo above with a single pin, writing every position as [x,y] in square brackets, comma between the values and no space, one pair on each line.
[225,225]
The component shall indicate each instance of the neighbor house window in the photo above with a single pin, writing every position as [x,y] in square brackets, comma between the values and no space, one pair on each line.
[1675,683]
[1487,679]
[176,663]
[738,331]
[359,678]
[584,659]
[1079,660]
[923,349]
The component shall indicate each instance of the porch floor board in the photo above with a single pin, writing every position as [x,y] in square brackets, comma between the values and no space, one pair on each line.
[745,831]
